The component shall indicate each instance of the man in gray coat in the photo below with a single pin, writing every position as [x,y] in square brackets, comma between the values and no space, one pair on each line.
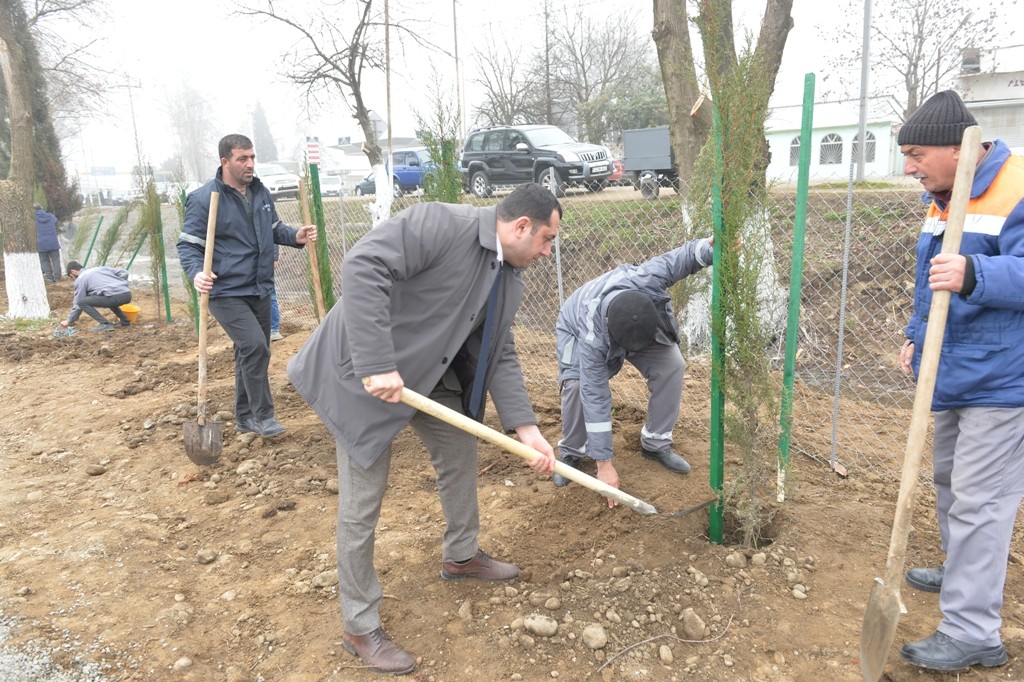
[625,314]
[429,299]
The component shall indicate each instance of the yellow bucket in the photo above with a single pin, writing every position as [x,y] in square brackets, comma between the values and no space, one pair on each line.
[130,311]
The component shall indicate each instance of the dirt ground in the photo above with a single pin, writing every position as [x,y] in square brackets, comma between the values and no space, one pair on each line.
[116,550]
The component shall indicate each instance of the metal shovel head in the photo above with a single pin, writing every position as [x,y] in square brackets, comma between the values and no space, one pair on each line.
[203,442]
[881,616]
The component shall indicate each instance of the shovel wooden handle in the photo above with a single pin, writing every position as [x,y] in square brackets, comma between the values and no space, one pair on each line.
[204,305]
[483,432]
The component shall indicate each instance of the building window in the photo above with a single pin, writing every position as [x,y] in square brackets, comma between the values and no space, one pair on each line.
[831,150]
[869,150]
[794,151]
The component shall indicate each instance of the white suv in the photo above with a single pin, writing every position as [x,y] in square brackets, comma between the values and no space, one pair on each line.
[279,181]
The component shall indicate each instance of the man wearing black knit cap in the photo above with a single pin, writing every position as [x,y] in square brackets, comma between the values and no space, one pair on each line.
[978,404]
[625,314]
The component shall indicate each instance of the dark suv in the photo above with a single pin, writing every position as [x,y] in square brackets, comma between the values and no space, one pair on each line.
[509,155]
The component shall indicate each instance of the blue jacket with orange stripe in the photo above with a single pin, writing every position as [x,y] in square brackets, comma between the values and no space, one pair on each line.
[982,359]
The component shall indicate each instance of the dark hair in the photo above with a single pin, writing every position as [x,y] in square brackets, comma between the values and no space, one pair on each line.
[73,265]
[230,142]
[531,200]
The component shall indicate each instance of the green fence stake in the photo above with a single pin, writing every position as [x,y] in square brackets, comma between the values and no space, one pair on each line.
[795,284]
[717,456]
[136,253]
[94,235]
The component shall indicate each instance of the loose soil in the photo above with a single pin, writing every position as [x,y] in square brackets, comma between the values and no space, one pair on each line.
[116,550]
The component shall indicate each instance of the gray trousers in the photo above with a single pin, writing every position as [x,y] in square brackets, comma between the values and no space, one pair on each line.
[49,261]
[453,454]
[979,482]
[663,368]
[89,304]
[246,321]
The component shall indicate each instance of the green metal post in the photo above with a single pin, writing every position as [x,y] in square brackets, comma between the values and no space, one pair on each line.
[94,235]
[322,254]
[717,455]
[795,285]
[136,253]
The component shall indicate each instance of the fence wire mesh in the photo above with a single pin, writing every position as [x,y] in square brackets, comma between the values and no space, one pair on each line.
[852,410]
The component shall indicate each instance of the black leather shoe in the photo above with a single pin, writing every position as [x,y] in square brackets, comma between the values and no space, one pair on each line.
[926,579]
[669,460]
[942,652]
[569,461]
[377,651]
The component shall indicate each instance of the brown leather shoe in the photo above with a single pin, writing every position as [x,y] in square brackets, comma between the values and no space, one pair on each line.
[378,652]
[481,567]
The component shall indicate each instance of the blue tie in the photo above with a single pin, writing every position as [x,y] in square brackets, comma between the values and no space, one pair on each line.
[476,396]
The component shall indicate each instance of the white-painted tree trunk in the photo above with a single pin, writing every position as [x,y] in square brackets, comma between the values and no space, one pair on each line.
[26,289]
[381,208]
[772,297]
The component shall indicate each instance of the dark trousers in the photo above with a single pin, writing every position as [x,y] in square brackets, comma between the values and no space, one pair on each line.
[89,304]
[49,261]
[246,320]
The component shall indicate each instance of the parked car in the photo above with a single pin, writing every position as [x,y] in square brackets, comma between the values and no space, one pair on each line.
[366,186]
[331,185]
[279,181]
[510,155]
[411,166]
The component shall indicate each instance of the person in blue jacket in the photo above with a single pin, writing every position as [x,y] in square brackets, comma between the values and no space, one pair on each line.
[623,315]
[47,244]
[242,280]
[978,404]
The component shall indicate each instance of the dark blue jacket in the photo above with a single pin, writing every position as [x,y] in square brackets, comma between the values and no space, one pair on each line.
[243,253]
[46,232]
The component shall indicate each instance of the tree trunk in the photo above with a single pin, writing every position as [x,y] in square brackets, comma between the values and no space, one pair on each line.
[26,292]
[675,54]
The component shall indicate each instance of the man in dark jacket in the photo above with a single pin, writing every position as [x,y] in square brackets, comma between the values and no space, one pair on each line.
[47,244]
[99,287]
[978,405]
[242,278]
[429,299]
[623,315]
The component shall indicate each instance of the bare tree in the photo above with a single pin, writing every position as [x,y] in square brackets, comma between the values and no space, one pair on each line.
[193,125]
[508,90]
[589,61]
[26,293]
[917,46]
[76,80]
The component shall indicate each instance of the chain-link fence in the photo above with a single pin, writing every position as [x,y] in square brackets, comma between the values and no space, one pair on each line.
[856,296]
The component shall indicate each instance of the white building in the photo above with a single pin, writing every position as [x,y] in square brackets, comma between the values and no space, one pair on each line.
[834,142]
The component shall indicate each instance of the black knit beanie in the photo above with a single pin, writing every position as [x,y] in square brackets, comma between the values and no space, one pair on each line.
[939,122]
[632,320]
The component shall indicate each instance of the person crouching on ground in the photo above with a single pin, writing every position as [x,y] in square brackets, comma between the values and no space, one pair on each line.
[99,287]
[623,315]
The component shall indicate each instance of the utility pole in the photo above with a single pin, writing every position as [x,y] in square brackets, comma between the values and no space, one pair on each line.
[862,131]
[458,74]
[547,64]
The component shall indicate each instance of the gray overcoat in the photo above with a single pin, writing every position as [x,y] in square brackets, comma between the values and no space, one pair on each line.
[413,291]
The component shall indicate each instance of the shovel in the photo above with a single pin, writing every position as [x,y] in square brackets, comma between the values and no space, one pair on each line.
[882,613]
[204,442]
[464,423]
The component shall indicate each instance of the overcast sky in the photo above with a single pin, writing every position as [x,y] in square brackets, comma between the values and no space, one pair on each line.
[235,63]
